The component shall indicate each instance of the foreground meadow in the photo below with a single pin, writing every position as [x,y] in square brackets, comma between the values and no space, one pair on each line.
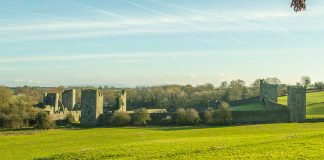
[269,141]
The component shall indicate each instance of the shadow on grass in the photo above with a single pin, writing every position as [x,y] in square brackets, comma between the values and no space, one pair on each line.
[17,129]
[314,120]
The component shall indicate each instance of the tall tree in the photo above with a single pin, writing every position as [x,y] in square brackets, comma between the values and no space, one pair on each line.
[306,80]
[298,5]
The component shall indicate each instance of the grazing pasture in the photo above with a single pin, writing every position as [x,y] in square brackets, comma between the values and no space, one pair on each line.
[268,141]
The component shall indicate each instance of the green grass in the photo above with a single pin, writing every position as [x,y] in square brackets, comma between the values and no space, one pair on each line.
[249,107]
[270,141]
[314,102]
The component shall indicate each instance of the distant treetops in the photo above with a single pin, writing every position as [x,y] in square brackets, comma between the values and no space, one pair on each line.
[298,5]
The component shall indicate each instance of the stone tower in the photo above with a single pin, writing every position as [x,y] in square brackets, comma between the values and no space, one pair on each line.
[297,103]
[52,100]
[91,107]
[122,101]
[68,99]
[269,91]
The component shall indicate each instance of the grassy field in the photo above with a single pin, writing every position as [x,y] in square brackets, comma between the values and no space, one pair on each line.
[270,141]
[315,104]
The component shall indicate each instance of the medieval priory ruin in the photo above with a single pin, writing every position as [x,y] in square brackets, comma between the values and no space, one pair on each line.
[92,104]
[91,107]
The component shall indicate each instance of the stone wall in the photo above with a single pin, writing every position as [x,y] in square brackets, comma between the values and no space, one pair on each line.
[271,105]
[122,101]
[244,101]
[297,103]
[52,99]
[269,91]
[69,99]
[62,115]
[91,107]
[261,116]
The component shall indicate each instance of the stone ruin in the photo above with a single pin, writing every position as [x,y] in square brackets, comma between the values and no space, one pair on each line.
[52,102]
[269,91]
[69,99]
[58,109]
[296,100]
[91,107]
[297,103]
[121,101]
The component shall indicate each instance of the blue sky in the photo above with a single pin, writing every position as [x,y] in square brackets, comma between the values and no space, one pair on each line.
[149,42]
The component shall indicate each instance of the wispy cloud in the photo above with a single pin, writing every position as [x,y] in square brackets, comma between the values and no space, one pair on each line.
[118,57]
[164,14]
[102,11]
[192,21]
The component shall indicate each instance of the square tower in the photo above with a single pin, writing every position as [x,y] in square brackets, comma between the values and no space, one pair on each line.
[297,103]
[68,99]
[269,91]
[91,107]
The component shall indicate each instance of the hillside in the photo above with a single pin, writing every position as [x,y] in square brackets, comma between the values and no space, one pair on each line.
[315,104]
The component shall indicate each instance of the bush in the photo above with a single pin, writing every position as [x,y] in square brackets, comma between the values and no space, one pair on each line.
[43,121]
[120,118]
[187,116]
[105,119]
[166,121]
[69,118]
[208,117]
[140,117]
[224,114]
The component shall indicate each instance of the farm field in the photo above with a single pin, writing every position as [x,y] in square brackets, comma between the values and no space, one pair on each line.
[269,141]
[314,102]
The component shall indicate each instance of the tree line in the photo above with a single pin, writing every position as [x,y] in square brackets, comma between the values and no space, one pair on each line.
[17,104]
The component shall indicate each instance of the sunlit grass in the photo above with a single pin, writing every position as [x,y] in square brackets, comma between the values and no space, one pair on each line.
[271,141]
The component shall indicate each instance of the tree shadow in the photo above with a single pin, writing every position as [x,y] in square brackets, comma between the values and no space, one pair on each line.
[314,120]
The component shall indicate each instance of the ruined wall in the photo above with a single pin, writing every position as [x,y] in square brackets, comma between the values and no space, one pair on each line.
[297,103]
[91,107]
[269,91]
[271,105]
[62,115]
[122,101]
[69,99]
[52,99]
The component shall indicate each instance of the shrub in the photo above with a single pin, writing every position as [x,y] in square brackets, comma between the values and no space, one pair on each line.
[141,117]
[120,118]
[105,119]
[224,114]
[187,116]
[208,117]
[43,121]
[166,121]
[69,118]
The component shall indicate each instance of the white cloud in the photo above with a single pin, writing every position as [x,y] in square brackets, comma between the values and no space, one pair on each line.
[118,57]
